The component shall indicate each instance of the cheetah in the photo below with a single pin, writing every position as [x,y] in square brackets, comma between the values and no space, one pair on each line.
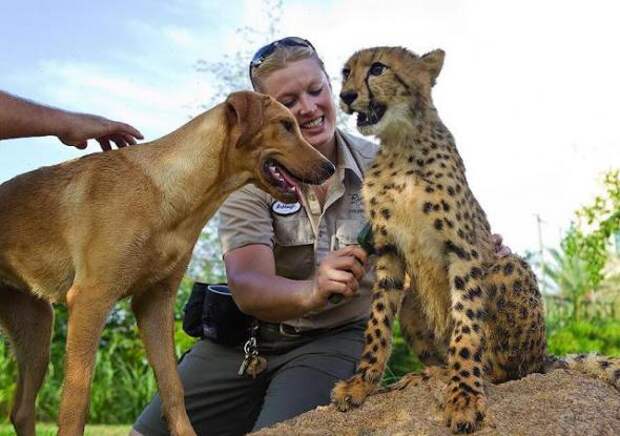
[476,317]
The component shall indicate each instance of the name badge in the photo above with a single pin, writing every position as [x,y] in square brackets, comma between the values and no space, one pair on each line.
[284,209]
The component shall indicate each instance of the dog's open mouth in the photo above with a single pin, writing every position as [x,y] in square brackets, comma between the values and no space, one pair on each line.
[281,179]
[373,116]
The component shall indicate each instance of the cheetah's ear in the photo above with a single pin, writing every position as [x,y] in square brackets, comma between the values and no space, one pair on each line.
[433,61]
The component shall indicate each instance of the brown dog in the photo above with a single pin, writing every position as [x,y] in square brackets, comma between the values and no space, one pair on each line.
[123,223]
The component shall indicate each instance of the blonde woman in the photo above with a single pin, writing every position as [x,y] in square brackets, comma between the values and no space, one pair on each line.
[283,263]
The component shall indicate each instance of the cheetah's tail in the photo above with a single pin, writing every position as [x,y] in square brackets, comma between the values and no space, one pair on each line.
[593,365]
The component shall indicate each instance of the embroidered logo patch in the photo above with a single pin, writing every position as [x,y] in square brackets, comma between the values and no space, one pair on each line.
[284,209]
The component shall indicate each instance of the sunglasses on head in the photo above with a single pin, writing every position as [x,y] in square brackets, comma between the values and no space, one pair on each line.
[266,51]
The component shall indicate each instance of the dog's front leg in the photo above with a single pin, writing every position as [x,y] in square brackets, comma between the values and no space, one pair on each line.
[154,310]
[88,307]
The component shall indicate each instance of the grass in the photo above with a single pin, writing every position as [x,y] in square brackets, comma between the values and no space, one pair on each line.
[46,429]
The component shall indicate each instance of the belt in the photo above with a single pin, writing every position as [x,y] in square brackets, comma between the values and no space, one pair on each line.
[290,331]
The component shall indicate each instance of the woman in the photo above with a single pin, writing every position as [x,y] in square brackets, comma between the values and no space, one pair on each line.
[283,263]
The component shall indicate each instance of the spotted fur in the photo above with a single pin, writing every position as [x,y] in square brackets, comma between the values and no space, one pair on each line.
[464,309]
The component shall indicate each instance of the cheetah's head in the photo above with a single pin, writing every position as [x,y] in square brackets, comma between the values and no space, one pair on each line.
[388,87]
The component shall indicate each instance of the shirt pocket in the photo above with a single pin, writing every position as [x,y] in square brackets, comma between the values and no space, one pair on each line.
[292,231]
[294,247]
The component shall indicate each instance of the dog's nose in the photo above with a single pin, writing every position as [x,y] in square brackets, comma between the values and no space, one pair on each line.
[348,97]
[328,169]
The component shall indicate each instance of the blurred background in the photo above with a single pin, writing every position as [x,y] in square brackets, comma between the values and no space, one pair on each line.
[529,90]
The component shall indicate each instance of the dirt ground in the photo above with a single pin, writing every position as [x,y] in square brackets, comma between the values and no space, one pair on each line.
[559,403]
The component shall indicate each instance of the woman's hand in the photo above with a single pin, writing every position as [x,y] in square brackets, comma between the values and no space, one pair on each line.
[339,273]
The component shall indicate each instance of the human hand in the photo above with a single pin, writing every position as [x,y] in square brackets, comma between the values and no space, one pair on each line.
[338,275]
[500,250]
[82,127]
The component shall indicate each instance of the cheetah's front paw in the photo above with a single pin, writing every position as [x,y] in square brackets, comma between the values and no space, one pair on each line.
[464,412]
[351,393]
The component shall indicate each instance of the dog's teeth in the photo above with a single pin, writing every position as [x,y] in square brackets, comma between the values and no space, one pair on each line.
[274,172]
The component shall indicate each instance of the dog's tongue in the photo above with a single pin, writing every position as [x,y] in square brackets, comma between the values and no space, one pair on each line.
[287,181]
[291,181]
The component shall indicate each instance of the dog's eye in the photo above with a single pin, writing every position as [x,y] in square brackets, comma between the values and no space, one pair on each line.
[288,126]
[377,69]
[345,73]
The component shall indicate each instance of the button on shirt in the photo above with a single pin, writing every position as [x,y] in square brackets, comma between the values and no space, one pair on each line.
[301,234]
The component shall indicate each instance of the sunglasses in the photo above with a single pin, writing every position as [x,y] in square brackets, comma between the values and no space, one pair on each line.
[266,51]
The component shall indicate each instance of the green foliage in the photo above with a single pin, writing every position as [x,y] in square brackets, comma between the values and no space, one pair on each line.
[577,268]
[602,336]
[569,275]
[7,379]
[589,238]
[402,361]
[44,429]
[123,382]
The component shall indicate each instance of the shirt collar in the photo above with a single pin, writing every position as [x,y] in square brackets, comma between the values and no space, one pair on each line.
[345,159]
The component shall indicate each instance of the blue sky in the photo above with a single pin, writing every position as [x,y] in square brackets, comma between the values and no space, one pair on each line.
[529,89]
[110,58]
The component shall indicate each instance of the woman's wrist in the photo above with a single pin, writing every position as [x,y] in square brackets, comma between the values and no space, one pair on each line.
[306,300]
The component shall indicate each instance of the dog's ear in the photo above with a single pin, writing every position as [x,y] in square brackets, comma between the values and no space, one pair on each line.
[245,114]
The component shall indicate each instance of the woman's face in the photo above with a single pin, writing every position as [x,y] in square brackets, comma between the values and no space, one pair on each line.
[303,88]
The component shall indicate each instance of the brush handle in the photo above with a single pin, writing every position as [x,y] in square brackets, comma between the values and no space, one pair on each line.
[335,298]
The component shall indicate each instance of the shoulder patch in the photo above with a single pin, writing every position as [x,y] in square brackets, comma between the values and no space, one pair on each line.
[284,209]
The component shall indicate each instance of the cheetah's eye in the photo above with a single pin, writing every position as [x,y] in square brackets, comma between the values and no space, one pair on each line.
[377,69]
[345,73]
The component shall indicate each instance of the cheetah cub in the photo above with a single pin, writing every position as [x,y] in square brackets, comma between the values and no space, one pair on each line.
[465,310]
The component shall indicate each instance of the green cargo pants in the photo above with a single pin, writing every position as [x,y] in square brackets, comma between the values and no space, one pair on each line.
[300,374]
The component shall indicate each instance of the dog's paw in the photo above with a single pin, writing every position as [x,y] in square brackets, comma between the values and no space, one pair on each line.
[351,393]
[464,412]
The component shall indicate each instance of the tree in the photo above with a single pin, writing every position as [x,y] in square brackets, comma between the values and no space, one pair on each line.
[231,73]
[589,238]
[578,269]
[570,276]
[228,75]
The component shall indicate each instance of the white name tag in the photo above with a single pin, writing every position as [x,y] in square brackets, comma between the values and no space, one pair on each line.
[280,208]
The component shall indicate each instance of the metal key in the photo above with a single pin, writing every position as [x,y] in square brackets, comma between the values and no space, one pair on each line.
[252,364]
[256,365]
[244,365]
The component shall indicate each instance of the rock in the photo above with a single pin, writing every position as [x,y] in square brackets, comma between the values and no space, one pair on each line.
[559,403]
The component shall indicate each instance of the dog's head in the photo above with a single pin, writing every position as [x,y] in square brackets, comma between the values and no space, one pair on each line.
[267,144]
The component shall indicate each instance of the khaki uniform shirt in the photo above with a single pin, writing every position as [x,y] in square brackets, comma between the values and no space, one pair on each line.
[302,234]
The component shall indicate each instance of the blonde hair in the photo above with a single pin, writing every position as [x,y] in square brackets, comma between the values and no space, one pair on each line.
[280,58]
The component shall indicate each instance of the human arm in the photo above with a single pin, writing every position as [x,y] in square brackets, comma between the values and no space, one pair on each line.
[261,293]
[23,118]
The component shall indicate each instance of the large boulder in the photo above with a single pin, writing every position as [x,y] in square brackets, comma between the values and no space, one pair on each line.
[559,403]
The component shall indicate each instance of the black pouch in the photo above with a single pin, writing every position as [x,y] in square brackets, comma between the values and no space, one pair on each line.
[211,313]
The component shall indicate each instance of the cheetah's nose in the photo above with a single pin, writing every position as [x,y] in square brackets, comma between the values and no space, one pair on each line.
[348,97]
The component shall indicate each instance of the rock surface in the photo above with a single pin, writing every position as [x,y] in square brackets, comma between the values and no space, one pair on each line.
[559,403]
